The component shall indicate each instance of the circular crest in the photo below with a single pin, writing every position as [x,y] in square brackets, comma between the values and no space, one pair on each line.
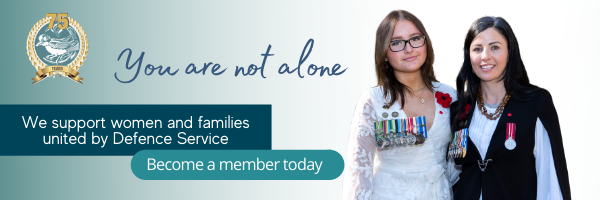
[56,51]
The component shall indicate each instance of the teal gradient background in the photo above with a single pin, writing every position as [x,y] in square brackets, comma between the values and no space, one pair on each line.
[309,113]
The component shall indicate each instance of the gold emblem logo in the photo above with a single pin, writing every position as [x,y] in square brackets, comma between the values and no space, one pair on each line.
[57,45]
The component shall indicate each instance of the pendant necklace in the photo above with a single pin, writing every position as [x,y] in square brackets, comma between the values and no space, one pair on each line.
[421,96]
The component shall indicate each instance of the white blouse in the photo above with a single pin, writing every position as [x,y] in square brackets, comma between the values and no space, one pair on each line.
[481,130]
[412,172]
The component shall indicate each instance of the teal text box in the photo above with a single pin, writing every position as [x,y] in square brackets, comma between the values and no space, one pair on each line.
[22,134]
[237,164]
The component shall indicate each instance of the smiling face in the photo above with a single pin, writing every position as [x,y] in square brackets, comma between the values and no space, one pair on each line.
[410,59]
[489,53]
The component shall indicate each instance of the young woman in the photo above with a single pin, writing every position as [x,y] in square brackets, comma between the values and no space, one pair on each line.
[406,88]
[514,144]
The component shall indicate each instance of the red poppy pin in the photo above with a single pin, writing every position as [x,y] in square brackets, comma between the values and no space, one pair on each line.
[443,99]
[464,114]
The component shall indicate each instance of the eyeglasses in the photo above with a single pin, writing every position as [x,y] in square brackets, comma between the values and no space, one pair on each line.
[415,42]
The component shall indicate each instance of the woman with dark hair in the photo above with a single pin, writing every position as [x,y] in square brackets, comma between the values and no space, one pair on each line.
[512,147]
[403,122]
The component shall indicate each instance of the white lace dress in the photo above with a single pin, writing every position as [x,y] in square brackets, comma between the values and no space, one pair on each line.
[412,172]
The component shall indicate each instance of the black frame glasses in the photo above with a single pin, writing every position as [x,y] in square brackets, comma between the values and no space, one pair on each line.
[408,42]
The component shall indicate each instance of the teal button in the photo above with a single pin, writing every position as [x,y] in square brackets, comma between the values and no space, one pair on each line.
[237,164]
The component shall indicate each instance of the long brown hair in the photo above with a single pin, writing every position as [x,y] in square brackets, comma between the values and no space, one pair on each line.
[385,73]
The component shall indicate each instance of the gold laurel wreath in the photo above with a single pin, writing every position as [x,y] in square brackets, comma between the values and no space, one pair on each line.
[75,64]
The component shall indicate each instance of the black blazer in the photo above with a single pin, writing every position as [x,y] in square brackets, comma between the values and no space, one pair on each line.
[511,174]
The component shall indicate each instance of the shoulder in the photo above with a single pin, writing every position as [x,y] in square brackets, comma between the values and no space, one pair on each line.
[374,94]
[544,95]
[538,96]
[444,88]
[538,99]
[544,100]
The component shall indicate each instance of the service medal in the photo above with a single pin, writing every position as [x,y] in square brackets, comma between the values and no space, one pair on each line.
[380,143]
[386,142]
[421,139]
[454,151]
[398,140]
[510,142]
[411,139]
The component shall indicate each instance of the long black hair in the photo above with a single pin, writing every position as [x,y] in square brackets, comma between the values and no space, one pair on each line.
[515,77]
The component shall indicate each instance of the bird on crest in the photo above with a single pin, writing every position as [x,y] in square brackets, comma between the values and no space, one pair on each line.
[60,49]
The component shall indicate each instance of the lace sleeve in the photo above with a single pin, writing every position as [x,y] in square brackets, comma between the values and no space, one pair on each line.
[453,171]
[358,172]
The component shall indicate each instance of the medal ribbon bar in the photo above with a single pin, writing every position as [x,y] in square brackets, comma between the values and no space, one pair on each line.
[389,130]
[510,130]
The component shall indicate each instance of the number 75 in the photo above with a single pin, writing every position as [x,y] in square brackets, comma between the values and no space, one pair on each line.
[62,17]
